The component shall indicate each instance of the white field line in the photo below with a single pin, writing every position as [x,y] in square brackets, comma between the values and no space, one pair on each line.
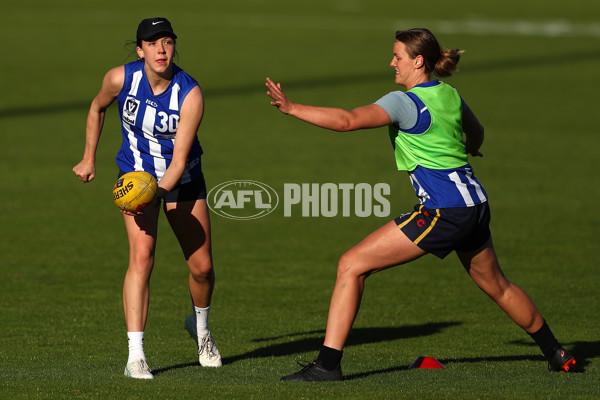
[216,21]
[472,26]
[558,28]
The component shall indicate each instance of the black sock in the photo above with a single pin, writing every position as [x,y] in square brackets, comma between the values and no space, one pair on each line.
[545,339]
[330,358]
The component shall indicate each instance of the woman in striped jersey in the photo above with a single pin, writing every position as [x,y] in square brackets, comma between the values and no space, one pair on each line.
[161,108]
[427,124]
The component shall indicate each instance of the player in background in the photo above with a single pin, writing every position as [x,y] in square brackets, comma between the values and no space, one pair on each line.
[426,125]
[161,108]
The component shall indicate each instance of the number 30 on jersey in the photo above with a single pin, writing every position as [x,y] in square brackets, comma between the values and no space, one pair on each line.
[167,122]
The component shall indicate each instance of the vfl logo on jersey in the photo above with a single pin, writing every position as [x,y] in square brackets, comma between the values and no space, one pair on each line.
[130,110]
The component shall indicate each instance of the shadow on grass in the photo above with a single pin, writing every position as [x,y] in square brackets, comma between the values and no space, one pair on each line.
[159,371]
[582,351]
[357,336]
[448,361]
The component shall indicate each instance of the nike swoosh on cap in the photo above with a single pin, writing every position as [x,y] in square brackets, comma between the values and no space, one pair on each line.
[157,22]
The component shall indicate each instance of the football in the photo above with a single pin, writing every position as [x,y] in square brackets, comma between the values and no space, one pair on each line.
[135,190]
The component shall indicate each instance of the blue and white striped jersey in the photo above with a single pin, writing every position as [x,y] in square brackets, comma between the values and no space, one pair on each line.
[149,123]
[446,188]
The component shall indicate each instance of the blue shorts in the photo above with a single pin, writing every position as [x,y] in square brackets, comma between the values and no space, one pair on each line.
[444,230]
[191,191]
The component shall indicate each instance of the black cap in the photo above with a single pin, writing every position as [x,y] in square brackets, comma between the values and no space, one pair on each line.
[152,27]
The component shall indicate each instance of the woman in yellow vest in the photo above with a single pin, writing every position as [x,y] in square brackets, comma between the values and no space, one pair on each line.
[432,130]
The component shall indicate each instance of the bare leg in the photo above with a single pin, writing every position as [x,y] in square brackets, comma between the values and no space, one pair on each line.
[191,223]
[484,269]
[141,232]
[384,248]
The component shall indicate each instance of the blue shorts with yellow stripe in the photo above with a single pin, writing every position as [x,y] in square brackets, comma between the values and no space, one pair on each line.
[444,230]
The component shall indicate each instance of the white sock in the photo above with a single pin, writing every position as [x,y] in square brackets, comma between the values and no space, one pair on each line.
[201,320]
[136,346]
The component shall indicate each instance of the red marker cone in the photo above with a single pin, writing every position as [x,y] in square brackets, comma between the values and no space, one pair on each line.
[426,363]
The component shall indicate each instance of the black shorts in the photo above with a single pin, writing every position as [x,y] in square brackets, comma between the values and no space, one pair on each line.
[191,191]
[444,230]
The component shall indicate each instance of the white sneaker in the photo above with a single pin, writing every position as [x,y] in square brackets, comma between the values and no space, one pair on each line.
[208,353]
[138,369]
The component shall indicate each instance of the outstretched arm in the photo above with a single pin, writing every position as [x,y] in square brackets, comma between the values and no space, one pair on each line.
[111,86]
[337,119]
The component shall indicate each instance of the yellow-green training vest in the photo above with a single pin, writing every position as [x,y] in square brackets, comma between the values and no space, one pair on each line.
[441,144]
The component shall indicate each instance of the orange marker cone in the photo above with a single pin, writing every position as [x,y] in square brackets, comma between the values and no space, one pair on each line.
[426,363]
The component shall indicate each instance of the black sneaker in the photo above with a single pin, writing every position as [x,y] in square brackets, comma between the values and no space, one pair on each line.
[314,372]
[561,360]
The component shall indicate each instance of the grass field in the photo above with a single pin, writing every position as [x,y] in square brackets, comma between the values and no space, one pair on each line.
[529,73]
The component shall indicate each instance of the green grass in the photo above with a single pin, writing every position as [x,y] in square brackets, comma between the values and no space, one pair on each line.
[63,249]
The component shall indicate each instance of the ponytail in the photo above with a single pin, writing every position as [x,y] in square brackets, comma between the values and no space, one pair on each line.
[447,63]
